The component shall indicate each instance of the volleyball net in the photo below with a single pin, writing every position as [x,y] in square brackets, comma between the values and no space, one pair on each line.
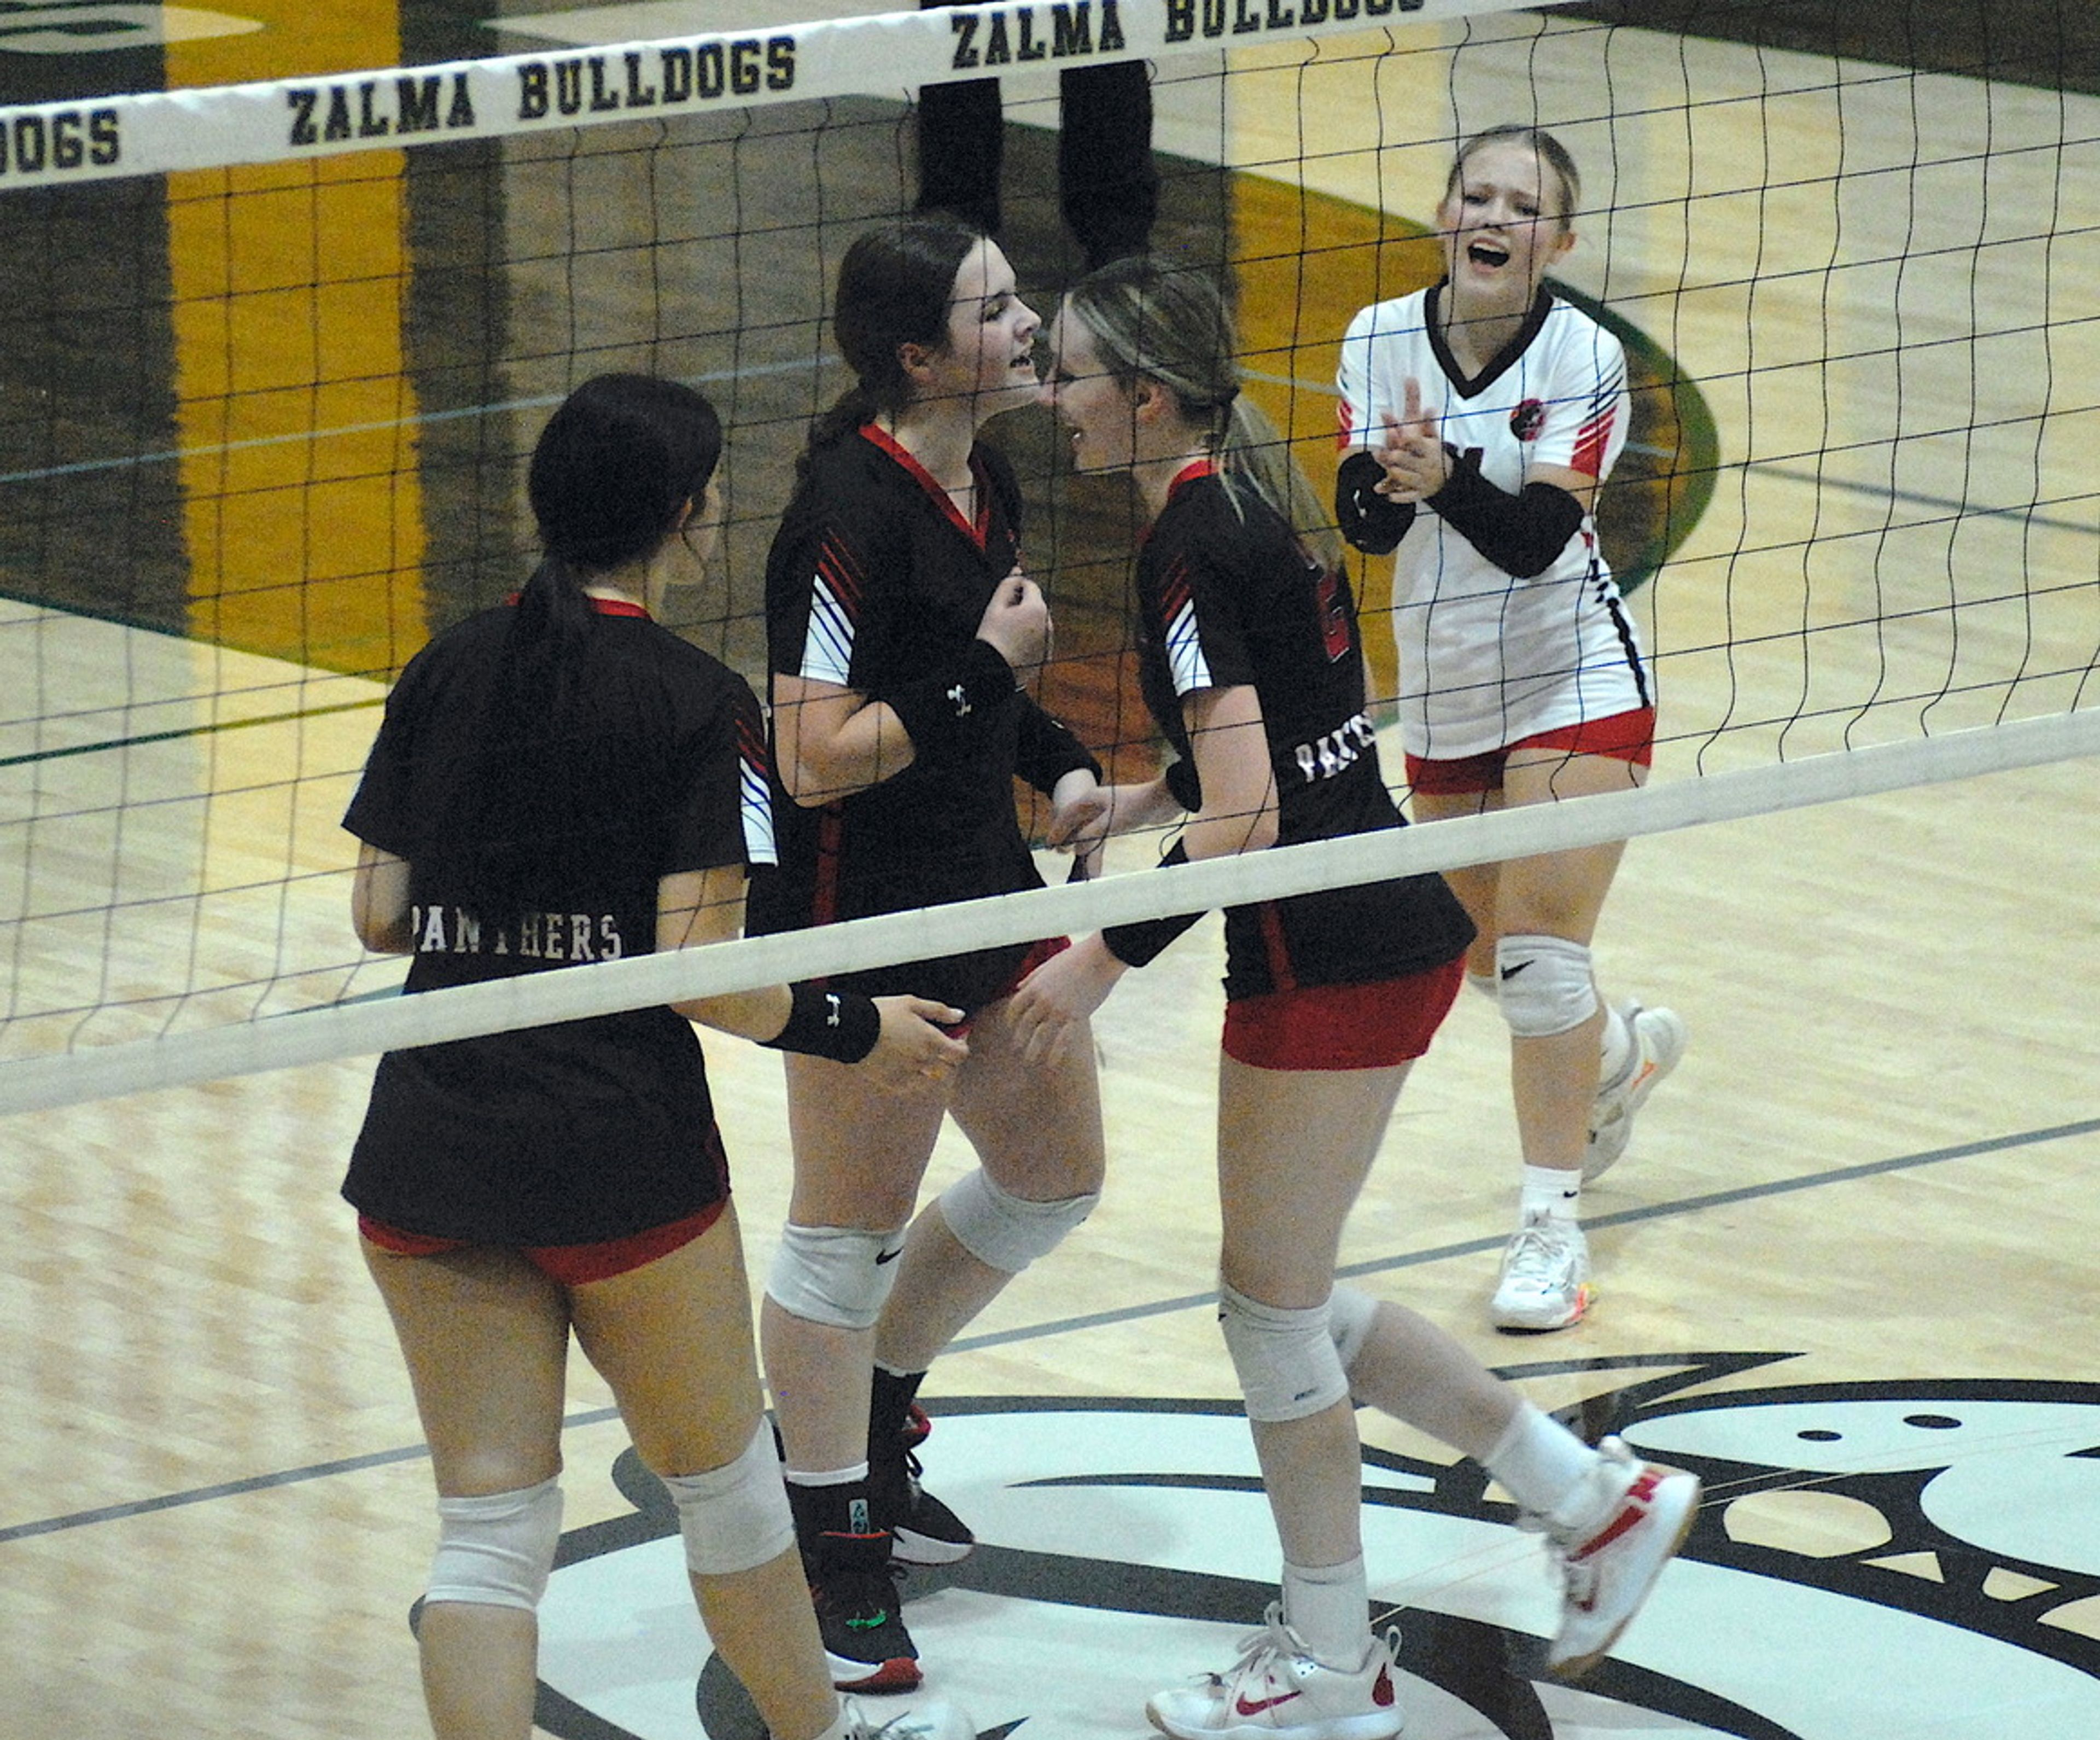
[280,351]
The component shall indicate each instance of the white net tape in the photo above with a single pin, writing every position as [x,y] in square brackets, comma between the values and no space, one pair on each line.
[536,999]
[892,55]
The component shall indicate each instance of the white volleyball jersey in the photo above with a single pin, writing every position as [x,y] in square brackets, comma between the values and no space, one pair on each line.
[1487,660]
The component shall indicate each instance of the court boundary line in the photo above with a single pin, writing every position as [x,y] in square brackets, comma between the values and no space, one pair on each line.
[1685,1205]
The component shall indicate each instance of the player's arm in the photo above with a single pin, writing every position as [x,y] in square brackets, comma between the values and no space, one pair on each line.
[895,1036]
[831,741]
[379,902]
[1229,745]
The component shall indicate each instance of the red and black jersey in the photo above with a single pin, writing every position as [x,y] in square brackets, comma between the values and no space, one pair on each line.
[1227,597]
[876,582]
[585,1130]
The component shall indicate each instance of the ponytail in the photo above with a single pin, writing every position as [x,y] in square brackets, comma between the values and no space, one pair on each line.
[896,287]
[610,480]
[1255,456]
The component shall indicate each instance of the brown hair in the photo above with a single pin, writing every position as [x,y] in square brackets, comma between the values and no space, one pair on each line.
[1551,153]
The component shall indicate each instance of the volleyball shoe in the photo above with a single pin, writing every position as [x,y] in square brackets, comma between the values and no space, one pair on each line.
[923,1529]
[853,1588]
[1279,1690]
[927,1722]
[1545,1279]
[1612,1536]
[1659,1037]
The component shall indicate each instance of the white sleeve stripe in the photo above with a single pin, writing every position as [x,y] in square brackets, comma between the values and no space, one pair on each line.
[1184,653]
[756,802]
[827,642]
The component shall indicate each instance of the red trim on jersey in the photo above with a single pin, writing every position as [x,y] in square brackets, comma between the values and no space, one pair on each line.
[1281,974]
[980,534]
[603,606]
[567,1264]
[830,840]
[1190,472]
[1343,1027]
[1592,441]
[838,564]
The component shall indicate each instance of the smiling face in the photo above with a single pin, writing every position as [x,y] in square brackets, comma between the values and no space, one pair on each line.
[1505,220]
[988,357]
[1100,412]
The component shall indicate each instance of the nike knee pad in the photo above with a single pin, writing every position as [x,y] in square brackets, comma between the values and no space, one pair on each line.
[1004,1231]
[835,1275]
[735,1517]
[1287,1363]
[1547,985]
[497,1549]
[1350,1315]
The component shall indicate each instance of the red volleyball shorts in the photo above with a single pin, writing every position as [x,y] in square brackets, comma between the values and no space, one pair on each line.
[1343,1027]
[1624,736]
[567,1265]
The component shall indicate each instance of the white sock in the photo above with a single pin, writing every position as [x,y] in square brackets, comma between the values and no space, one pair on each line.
[1548,1190]
[1329,1608]
[827,1476]
[1539,1461]
[1617,1049]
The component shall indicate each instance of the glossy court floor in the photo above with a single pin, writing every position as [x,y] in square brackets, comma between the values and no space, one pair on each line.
[1848,1269]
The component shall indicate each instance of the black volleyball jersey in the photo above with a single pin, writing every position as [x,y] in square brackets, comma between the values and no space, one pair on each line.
[1228,598]
[876,581]
[582,1130]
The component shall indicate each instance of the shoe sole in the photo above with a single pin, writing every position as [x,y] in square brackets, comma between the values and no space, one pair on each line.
[911,1548]
[1510,1324]
[1383,1725]
[900,1673]
[1577,1666]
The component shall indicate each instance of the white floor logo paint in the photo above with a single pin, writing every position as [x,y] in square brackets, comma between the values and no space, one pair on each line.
[1952,1570]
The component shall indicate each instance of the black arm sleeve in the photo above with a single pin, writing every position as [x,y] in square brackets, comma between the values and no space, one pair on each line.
[945,713]
[1047,750]
[1140,944]
[1522,534]
[1368,520]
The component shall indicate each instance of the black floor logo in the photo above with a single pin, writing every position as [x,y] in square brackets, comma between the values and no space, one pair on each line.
[1874,1561]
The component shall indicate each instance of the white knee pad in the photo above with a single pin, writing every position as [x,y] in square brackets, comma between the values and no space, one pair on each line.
[1350,1315]
[1288,1367]
[839,1275]
[1004,1231]
[735,1517]
[498,1549]
[1547,985]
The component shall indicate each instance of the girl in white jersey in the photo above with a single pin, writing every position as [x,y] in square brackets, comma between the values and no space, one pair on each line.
[1479,419]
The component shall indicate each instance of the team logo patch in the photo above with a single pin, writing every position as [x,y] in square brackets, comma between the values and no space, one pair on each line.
[1527,420]
[1872,1560]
